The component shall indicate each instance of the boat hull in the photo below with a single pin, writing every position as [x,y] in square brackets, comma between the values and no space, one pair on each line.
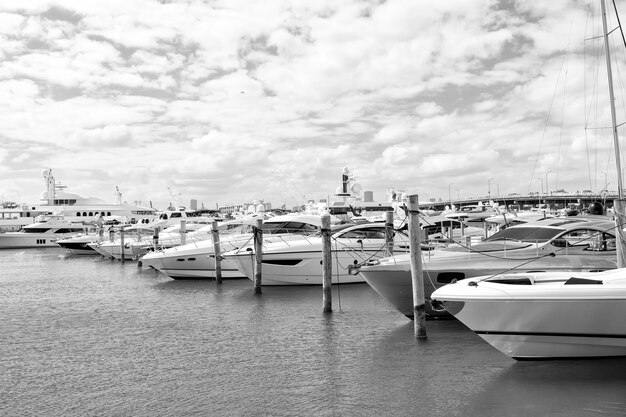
[191,266]
[394,282]
[297,268]
[535,329]
[18,240]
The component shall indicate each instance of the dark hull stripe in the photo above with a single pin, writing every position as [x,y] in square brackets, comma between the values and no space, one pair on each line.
[606,336]
[196,270]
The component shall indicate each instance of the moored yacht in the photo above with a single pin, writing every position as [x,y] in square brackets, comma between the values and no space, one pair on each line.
[196,260]
[298,262]
[43,233]
[55,199]
[572,244]
[545,315]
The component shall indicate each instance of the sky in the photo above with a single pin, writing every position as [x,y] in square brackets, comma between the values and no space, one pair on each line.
[232,101]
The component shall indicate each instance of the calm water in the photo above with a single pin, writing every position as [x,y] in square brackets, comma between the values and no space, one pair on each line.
[90,336]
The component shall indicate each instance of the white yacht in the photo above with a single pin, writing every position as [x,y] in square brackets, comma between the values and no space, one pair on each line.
[75,208]
[140,238]
[43,233]
[544,315]
[571,243]
[298,262]
[196,260]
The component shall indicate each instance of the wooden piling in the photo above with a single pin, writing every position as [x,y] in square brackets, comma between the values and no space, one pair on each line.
[619,207]
[155,239]
[183,232]
[389,233]
[327,263]
[417,274]
[122,244]
[217,253]
[258,251]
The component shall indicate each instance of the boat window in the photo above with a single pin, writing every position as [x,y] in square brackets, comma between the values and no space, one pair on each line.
[364,234]
[285,262]
[175,215]
[34,230]
[584,281]
[108,213]
[78,214]
[601,241]
[90,213]
[84,213]
[526,234]
[69,230]
[448,277]
[522,280]
[289,227]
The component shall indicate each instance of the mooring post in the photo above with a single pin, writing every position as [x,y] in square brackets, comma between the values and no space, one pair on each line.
[155,239]
[217,252]
[327,265]
[122,244]
[389,233]
[417,275]
[619,207]
[183,232]
[258,251]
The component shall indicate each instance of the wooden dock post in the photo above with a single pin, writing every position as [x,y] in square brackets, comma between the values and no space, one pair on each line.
[327,265]
[217,252]
[183,232]
[122,244]
[417,274]
[619,207]
[389,233]
[155,239]
[258,251]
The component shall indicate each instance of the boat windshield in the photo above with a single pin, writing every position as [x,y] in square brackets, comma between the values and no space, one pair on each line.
[526,234]
[289,227]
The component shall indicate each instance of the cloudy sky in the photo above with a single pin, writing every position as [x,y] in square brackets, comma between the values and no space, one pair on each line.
[234,100]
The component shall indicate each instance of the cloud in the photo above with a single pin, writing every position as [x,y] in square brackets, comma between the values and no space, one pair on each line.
[219,98]
[118,136]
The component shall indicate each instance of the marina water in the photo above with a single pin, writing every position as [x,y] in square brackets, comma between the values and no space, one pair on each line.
[90,336]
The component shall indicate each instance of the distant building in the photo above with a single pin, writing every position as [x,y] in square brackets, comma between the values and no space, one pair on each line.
[253,207]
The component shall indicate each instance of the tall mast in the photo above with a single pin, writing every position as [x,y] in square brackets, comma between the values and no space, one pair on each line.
[612,100]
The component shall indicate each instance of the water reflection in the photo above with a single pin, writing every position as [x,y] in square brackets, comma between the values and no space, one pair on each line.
[561,387]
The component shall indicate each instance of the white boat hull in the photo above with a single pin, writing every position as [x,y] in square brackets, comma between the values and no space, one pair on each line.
[545,319]
[394,282]
[534,329]
[190,265]
[17,240]
[298,268]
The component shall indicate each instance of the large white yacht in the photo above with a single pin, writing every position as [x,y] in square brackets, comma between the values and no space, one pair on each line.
[75,208]
[42,233]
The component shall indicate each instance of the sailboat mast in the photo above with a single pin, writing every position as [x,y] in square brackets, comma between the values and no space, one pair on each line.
[612,102]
